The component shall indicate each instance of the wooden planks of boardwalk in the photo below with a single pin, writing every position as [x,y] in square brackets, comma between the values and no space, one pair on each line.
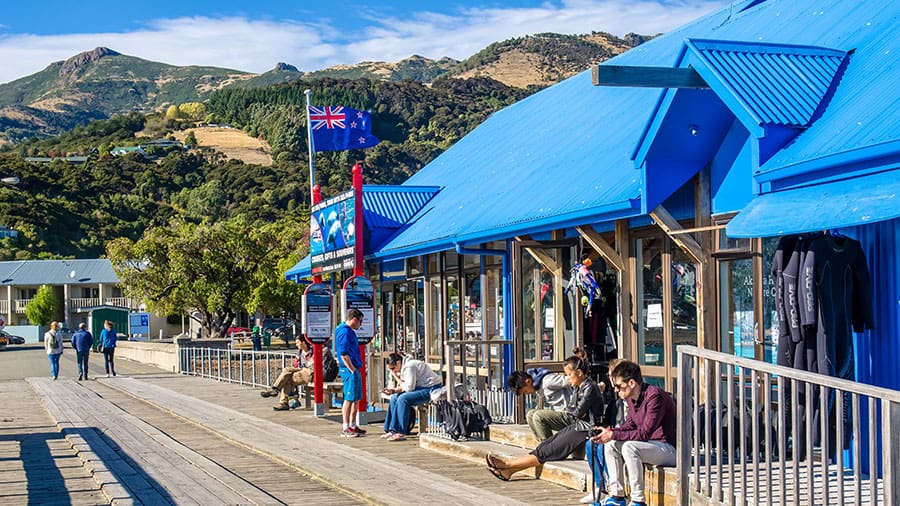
[358,472]
[134,462]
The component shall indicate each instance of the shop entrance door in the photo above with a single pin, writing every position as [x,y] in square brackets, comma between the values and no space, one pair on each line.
[408,320]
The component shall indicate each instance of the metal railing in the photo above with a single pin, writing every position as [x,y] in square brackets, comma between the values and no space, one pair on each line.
[4,306]
[750,432]
[243,367]
[476,367]
[79,303]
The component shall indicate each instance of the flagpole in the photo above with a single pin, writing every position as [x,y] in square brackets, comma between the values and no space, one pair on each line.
[312,150]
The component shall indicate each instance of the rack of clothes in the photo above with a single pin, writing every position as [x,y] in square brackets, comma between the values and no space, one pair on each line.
[823,294]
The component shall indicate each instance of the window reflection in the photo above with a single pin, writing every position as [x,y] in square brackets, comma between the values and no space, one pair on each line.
[650,284]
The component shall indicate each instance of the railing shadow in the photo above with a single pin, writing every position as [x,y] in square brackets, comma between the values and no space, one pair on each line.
[45,482]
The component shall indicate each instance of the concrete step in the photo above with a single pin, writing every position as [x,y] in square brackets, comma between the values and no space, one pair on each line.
[513,435]
[574,474]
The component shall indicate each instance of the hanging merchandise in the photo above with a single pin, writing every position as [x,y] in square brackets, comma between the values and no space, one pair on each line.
[583,279]
[823,294]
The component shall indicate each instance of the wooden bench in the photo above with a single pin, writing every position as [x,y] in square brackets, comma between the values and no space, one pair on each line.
[421,412]
[330,389]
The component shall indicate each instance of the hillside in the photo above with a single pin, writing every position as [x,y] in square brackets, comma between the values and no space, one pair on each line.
[101,83]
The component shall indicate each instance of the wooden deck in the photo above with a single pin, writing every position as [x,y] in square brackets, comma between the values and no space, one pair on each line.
[771,485]
[388,473]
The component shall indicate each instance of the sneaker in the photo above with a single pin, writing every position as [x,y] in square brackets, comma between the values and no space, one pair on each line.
[612,501]
[107,375]
[387,435]
[589,498]
[268,393]
[361,432]
[79,377]
[397,437]
[349,433]
[281,407]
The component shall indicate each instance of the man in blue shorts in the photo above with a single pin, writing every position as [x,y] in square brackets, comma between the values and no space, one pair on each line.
[346,347]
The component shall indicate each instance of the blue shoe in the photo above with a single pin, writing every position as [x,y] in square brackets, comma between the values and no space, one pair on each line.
[612,501]
[638,504]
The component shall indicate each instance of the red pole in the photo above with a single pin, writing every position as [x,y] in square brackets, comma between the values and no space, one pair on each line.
[318,368]
[359,270]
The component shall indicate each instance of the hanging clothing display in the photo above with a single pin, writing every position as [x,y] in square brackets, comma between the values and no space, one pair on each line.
[823,294]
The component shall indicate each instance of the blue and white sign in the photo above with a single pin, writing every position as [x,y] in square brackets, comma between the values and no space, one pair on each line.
[139,323]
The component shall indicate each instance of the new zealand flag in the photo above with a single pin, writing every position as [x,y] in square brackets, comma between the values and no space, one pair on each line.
[336,128]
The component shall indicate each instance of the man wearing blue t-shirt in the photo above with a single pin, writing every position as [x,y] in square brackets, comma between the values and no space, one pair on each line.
[346,347]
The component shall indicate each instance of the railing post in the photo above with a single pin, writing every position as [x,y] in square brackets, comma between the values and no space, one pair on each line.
[683,440]
[181,345]
[890,445]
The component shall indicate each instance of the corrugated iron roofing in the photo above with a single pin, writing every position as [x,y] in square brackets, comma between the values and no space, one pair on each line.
[392,206]
[563,155]
[57,272]
[778,84]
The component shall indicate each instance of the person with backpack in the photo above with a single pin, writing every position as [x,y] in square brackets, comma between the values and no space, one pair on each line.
[553,389]
[586,410]
[82,340]
[54,348]
[414,382]
[108,340]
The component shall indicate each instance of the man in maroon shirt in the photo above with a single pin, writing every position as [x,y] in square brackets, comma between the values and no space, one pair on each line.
[646,437]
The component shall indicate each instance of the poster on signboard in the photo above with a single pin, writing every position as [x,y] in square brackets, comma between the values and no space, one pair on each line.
[359,293]
[317,313]
[332,234]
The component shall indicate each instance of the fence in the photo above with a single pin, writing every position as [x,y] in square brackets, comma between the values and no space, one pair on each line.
[750,432]
[244,367]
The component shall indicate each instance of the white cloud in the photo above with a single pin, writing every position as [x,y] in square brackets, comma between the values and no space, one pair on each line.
[256,45]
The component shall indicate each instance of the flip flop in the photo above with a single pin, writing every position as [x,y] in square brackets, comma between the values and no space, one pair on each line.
[489,460]
[496,472]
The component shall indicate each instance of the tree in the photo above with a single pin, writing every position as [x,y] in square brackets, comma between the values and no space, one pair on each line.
[211,269]
[190,140]
[41,308]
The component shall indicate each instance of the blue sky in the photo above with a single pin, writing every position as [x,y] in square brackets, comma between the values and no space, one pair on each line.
[311,34]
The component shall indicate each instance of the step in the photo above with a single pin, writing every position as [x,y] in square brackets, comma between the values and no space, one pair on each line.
[519,435]
[574,474]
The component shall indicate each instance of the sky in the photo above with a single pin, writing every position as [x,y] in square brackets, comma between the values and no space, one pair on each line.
[309,34]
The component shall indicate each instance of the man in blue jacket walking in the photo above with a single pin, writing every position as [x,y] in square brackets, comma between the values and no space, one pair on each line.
[82,340]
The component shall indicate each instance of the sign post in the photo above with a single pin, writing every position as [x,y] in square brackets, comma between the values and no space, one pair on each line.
[359,293]
[317,331]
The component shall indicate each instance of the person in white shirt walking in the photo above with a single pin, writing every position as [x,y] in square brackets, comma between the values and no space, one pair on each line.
[54,347]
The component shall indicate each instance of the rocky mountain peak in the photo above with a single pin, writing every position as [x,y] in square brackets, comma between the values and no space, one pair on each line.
[81,59]
[285,67]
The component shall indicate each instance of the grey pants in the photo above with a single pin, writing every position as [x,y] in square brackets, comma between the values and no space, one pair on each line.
[631,457]
[544,422]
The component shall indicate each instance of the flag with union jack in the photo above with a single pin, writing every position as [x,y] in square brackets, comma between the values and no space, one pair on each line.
[336,128]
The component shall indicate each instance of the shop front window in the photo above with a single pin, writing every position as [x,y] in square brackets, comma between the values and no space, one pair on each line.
[736,298]
[435,336]
[684,300]
[548,311]
[650,283]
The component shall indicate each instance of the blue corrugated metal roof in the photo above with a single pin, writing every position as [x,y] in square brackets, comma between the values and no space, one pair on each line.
[778,84]
[843,203]
[392,206]
[563,155]
[57,272]
[300,270]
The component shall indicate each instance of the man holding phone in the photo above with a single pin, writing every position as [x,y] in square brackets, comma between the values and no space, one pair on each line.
[414,382]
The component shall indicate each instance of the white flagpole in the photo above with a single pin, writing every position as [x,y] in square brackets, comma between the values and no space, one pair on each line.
[312,150]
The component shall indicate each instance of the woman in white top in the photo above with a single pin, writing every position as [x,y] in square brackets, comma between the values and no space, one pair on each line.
[54,347]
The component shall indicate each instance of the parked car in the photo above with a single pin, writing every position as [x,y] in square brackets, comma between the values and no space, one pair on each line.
[65,333]
[3,342]
[238,332]
[11,339]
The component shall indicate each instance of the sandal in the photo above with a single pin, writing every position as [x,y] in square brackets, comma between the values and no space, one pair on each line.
[497,473]
[397,437]
[489,460]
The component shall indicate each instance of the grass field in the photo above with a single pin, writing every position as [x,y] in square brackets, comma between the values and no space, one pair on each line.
[234,143]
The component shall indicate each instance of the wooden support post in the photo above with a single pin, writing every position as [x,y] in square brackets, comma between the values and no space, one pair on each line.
[627,318]
[601,246]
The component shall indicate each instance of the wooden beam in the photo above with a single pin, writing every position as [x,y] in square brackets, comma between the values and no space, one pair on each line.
[647,77]
[627,289]
[601,246]
[668,223]
[542,258]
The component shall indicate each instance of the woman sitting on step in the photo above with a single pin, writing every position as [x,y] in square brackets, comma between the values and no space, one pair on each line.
[586,408]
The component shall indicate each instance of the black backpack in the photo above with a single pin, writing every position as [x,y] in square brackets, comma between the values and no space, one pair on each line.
[329,366]
[463,419]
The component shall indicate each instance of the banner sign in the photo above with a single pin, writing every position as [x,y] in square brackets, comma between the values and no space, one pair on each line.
[139,323]
[317,313]
[359,293]
[332,234]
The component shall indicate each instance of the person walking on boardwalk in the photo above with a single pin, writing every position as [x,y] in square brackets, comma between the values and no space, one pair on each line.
[108,340]
[82,340]
[54,347]
[349,361]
